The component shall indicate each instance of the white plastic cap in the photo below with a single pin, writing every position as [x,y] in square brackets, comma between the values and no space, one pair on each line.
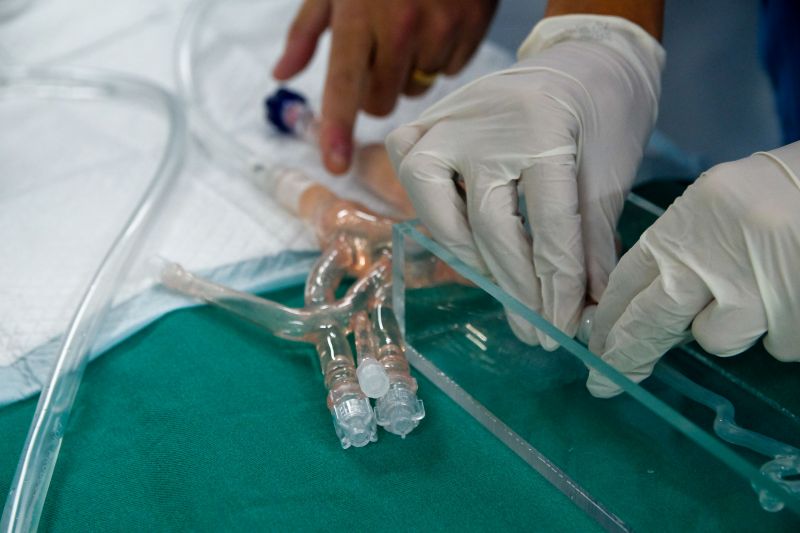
[372,378]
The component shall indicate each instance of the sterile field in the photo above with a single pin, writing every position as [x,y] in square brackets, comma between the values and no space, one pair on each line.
[203,329]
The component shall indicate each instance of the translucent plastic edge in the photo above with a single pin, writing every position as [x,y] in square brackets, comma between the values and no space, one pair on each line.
[703,439]
[31,481]
[535,459]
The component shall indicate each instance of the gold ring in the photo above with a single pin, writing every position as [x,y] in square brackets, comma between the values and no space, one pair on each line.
[423,78]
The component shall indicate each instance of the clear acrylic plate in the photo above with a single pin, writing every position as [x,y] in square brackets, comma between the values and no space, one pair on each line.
[644,460]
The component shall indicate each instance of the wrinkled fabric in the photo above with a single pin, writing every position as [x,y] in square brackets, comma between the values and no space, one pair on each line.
[60,213]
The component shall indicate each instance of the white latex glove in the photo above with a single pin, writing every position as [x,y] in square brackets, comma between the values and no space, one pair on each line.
[566,127]
[724,259]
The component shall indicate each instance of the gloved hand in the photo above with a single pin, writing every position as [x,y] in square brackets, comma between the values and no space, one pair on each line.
[566,127]
[724,259]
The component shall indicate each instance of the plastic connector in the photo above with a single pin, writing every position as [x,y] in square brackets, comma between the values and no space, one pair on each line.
[783,470]
[354,422]
[399,411]
[290,114]
[276,105]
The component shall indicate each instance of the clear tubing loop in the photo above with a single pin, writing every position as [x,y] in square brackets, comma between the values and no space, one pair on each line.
[32,478]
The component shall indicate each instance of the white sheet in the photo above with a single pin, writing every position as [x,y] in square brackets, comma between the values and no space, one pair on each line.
[69,175]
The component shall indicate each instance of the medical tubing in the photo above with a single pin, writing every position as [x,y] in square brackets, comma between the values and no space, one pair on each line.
[290,114]
[371,374]
[322,324]
[353,417]
[724,424]
[336,361]
[785,463]
[32,478]
[327,273]
[399,410]
[321,284]
[208,132]
[362,336]
[389,345]
[285,322]
[352,414]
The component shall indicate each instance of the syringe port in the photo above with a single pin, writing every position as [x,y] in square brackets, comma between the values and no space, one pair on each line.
[399,411]
[354,422]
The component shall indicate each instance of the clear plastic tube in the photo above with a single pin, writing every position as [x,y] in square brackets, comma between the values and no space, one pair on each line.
[353,417]
[32,478]
[786,459]
[372,375]
[399,410]
[331,216]
[285,322]
[322,322]
[327,272]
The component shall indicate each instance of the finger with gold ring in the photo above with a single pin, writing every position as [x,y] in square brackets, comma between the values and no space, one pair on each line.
[423,78]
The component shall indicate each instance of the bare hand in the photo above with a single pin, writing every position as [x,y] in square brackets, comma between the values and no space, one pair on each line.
[380,49]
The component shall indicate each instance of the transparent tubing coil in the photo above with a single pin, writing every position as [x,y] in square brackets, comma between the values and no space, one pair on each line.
[32,478]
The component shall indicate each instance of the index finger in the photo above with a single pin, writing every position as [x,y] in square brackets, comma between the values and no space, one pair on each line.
[348,70]
[301,42]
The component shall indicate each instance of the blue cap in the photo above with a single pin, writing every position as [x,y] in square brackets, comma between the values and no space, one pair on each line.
[275,105]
